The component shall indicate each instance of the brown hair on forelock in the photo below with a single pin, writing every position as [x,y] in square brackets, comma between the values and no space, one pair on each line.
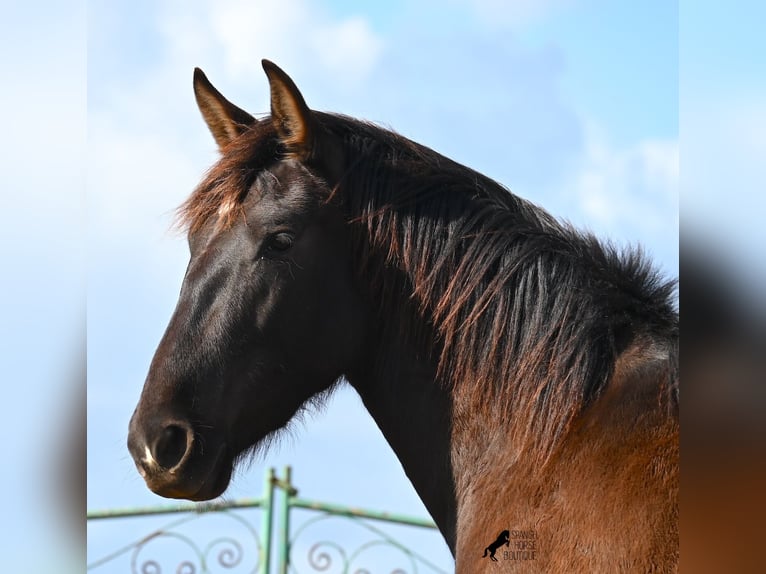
[227,182]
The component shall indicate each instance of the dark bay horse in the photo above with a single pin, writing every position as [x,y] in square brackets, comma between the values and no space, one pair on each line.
[524,373]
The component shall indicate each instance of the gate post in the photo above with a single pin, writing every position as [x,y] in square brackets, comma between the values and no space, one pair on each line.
[284,525]
[268,505]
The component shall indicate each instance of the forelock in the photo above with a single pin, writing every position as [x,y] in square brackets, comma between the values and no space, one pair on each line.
[223,189]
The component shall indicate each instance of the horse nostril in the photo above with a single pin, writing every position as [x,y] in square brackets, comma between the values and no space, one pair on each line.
[171,445]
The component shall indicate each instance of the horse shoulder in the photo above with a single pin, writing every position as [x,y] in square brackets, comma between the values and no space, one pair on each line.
[607,500]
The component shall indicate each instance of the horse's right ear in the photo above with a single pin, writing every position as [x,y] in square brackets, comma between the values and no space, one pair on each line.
[291,115]
[225,120]
[302,136]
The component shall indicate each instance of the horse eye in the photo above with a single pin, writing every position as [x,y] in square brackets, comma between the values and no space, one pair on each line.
[280,242]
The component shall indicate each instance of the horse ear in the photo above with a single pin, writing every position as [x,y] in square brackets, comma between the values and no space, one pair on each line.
[225,120]
[289,111]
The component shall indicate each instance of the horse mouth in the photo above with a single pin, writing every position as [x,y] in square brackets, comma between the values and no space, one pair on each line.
[217,480]
[196,480]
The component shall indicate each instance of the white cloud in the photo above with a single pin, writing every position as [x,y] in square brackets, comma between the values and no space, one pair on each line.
[293,33]
[629,189]
[626,194]
[350,47]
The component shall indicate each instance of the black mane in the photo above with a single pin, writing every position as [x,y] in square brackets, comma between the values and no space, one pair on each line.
[522,306]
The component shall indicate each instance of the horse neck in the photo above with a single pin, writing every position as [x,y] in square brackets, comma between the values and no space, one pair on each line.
[442,447]
[414,415]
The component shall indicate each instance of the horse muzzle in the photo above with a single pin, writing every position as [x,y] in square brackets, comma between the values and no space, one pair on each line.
[170,457]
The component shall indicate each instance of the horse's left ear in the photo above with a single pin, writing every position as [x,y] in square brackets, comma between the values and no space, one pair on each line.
[291,116]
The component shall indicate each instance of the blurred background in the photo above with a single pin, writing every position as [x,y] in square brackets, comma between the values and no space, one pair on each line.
[586,107]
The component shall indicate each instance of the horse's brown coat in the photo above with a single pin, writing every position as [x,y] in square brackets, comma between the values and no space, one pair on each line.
[606,502]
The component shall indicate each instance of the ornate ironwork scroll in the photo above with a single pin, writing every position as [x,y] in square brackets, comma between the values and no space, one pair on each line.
[175,548]
[371,551]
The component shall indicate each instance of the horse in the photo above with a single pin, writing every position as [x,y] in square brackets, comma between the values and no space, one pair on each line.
[524,372]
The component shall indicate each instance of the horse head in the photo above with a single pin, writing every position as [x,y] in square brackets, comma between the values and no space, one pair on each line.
[268,316]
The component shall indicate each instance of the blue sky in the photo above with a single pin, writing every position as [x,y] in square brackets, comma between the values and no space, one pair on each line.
[573,104]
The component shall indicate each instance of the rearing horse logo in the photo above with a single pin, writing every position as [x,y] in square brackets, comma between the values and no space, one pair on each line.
[504,538]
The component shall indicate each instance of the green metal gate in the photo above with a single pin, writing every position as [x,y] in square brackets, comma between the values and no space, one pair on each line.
[283,543]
